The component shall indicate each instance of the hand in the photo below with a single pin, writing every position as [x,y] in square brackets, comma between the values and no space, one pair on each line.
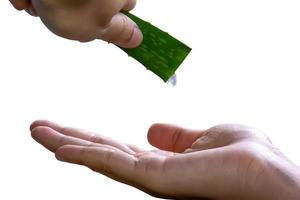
[87,20]
[223,162]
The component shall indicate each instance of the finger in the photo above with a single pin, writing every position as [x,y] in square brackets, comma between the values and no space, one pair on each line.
[142,173]
[52,140]
[110,162]
[172,138]
[84,135]
[20,4]
[62,129]
[129,5]
[122,31]
[55,126]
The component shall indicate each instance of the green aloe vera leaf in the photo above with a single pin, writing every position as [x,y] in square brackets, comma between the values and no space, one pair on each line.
[159,52]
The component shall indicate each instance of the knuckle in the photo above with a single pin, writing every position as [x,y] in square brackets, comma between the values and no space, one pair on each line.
[130,4]
[97,139]
[62,140]
[106,167]
[64,130]
[82,154]
[147,163]
[104,16]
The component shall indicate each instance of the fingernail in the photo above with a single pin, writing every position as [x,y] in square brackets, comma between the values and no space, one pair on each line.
[136,38]
[60,158]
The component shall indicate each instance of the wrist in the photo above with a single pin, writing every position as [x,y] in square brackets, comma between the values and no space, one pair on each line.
[270,175]
[283,178]
[289,176]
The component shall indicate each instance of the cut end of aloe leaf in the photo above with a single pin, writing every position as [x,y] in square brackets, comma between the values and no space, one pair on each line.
[159,52]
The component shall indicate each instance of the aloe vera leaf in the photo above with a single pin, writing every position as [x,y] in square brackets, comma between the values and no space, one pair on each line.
[159,52]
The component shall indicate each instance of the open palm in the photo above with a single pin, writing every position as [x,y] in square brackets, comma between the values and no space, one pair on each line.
[224,162]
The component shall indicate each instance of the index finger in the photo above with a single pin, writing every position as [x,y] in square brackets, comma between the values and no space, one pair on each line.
[84,135]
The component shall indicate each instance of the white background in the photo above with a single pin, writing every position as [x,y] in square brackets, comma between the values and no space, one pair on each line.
[244,68]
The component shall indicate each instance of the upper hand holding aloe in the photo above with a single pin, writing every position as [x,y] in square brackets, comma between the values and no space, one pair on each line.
[86,20]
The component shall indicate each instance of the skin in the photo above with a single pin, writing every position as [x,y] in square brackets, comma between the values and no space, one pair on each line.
[86,20]
[226,162]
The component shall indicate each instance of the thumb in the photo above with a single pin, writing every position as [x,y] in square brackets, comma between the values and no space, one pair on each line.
[172,138]
[122,31]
